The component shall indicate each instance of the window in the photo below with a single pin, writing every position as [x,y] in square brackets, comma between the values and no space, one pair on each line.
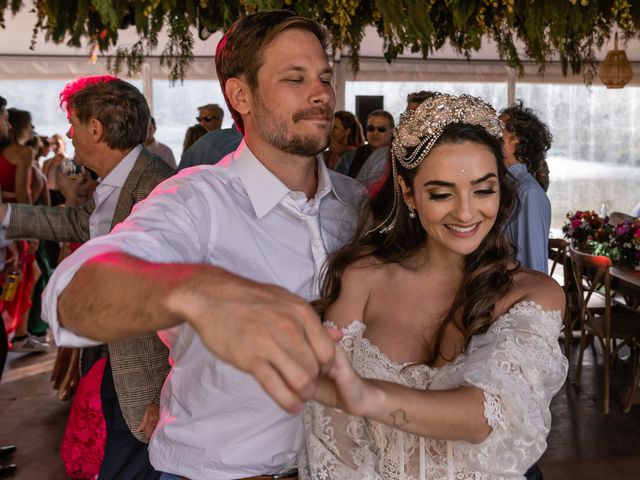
[595,156]
[395,93]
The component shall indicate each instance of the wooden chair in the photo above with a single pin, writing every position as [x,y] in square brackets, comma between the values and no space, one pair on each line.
[614,325]
[635,377]
[558,257]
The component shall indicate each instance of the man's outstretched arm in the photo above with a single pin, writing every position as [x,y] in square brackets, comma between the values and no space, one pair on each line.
[261,329]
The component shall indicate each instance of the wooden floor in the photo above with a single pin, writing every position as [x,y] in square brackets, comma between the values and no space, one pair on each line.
[583,444]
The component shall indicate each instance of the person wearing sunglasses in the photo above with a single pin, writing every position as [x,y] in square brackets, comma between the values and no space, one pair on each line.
[210,116]
[370,161]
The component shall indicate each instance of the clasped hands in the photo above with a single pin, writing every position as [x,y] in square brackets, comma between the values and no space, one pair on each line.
[273,335]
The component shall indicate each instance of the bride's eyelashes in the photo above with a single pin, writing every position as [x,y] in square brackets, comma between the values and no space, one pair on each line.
[438,196]
[486,191]
[441,196]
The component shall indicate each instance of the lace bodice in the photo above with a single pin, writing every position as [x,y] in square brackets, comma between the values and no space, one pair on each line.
[517,363]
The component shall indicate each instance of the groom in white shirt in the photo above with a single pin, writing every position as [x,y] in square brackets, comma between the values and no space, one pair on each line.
[223,258]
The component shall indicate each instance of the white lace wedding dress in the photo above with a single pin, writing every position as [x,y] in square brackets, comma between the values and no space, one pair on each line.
[517,363]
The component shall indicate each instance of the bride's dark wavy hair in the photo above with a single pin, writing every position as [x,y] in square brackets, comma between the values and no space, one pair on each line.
[487,272]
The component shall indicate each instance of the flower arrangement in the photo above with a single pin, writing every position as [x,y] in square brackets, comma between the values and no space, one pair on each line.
[620,242]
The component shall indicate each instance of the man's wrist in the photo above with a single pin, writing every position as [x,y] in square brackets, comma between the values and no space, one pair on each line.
[5,214]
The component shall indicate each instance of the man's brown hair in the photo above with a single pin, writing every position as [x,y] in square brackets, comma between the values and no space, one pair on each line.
[118,105]
[239,53]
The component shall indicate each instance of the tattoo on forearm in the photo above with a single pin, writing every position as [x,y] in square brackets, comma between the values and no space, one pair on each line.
[399,418]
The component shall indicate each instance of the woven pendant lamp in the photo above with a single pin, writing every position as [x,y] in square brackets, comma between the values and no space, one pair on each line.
[615,69]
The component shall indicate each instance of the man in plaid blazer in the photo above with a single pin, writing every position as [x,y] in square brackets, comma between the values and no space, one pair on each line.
[109,119]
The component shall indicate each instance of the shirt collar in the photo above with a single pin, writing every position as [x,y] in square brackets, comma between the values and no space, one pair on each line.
[119,174]
[518,169]
[264,189]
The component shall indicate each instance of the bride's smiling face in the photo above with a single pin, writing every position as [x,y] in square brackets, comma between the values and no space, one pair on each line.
[456,195]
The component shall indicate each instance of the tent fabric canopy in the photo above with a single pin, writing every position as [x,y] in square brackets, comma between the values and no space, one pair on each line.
[575,33]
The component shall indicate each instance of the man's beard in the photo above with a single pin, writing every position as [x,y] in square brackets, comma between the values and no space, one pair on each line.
[273,128]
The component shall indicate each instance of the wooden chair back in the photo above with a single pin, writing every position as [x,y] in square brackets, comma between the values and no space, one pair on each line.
[613,324]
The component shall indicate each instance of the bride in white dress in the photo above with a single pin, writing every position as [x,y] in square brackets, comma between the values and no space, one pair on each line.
[449,356]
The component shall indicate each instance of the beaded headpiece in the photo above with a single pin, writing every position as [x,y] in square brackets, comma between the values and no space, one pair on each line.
[420,129]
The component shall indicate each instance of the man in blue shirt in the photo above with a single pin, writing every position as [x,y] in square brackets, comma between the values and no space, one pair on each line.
[526,142]
[211,147]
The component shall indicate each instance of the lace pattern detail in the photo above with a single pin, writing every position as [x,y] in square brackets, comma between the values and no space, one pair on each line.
[518,365]
[494,412]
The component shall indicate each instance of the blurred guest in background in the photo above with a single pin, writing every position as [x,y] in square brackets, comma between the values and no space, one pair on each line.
[526,142]
[192,135]
[371,161]
[16,160]
[416,98]
[211,147]
[160,149]
[210,116]
[51,166]
[346,137]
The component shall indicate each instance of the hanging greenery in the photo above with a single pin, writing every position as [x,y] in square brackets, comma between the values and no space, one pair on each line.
[569,30]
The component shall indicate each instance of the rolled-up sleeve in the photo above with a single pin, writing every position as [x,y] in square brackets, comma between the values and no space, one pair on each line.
[173,225]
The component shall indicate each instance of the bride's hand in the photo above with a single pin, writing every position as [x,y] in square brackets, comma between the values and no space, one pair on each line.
[343,388]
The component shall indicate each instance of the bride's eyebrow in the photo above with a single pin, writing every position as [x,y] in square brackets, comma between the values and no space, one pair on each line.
[442,183]
[438,183]
[484,178]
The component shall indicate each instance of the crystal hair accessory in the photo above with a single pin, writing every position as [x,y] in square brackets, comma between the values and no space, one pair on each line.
[420,129]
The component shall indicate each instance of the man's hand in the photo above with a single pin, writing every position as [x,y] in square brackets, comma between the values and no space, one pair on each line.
[149,420]
[261,329]
[3,210]
[32,247]
[14,258]
[343,388]
[68,186]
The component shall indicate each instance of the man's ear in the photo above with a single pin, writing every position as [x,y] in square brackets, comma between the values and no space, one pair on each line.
[96,129]
[239,95]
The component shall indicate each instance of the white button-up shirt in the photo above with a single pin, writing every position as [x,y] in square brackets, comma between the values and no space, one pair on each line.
[216,421]
[107,193]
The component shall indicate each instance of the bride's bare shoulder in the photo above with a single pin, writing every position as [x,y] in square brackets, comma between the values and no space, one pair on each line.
[357,282]
[368,269]
[532,286]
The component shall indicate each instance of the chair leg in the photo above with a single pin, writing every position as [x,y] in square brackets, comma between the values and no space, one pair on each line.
[583,342]
[607,364]
[635,377]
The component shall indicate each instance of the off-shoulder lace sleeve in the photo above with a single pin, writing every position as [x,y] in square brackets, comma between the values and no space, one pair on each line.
[520,367]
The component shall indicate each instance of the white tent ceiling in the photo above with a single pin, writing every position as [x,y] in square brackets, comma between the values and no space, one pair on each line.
[15,40]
